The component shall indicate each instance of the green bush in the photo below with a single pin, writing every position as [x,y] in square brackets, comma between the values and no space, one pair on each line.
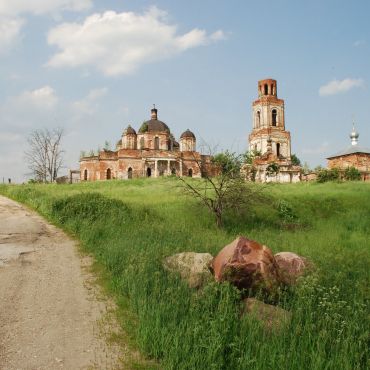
[325,175]
[352,174]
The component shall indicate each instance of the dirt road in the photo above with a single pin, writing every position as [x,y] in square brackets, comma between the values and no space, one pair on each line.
[50,317]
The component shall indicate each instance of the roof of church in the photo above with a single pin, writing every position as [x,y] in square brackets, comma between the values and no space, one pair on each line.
[129,130]
[187,133]
[153,125]
[351,150]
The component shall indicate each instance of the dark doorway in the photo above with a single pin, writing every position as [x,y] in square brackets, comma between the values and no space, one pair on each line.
[173,171]
[129,173]
[85,175]
[109,174]
[148,172]
[190,172]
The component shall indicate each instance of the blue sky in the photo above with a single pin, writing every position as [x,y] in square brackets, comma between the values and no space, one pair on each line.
[93,66]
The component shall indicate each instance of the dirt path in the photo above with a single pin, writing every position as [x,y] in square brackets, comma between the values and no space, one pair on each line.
[50,317]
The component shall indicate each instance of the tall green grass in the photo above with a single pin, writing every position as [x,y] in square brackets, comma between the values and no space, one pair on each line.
[130,226]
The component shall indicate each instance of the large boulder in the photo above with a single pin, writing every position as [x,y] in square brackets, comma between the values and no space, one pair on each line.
[192,267]
[291,266]
[273,318]
[247,265]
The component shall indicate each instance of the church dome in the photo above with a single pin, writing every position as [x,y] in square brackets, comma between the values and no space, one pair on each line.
[187,134]
[129,131]
[154,124]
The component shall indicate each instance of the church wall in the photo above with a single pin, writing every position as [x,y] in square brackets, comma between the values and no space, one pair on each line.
[359,160]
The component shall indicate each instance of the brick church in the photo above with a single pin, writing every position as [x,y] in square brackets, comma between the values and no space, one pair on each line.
[151,152]
[270,139]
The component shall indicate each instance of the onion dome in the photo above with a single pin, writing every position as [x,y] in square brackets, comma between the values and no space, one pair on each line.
[354,136]
[129,131]
[154,125]
[187,134]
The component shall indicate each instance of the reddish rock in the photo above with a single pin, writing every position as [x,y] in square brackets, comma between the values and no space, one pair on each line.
[291,266]
[247,265]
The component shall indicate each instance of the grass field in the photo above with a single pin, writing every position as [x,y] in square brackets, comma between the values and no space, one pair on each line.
[129,226]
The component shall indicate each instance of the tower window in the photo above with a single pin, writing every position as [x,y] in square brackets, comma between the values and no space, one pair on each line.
[278,150]
[274,117]
[156,143]
[266,89]
[142,143]
[258,119]
[272,89]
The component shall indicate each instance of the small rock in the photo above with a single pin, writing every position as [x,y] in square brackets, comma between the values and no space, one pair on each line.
[273,318]
[192,267]
[291,266]
[247,265]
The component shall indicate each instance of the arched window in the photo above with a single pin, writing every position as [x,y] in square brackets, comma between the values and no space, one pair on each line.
[148,172]
[274,117]
[277,149]
[142,143]
[272,89]
[129,173]
[258,123]
[109,174]
[190,172]
[156,143]
[266,89]
[85,175]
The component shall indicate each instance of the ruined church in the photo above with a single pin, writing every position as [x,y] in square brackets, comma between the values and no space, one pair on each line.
[153,151]
[269,140]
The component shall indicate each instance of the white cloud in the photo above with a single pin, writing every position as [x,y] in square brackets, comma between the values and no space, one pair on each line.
[11,11]
[119,43]
[88,104]
[43,98]
[9,31]
[340,86]
[16,7]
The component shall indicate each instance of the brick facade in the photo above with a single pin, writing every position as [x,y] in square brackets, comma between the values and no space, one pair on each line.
[151,152]
[269,137]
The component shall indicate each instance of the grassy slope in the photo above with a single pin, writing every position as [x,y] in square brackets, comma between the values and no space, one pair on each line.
[131,225]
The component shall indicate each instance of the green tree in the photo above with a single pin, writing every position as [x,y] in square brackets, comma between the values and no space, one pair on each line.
[352,174]
[325,175]
[227,191]
[295,160]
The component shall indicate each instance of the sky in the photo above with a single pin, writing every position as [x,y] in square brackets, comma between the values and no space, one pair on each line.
[92,67]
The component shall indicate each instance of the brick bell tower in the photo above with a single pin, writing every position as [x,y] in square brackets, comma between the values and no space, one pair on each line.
[268,135]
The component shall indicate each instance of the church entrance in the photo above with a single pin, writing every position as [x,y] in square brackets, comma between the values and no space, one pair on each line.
[109,174]
[129,173]
[148,172]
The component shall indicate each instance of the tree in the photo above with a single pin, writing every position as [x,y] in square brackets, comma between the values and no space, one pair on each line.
[227,191]
[295,160]
[325,175]
[45,156]
[352,174]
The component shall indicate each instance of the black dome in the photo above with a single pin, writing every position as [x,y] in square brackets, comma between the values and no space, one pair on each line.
[153,125]
[129,130]
[187,133]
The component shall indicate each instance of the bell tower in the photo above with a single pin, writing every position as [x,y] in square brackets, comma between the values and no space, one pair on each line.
[268,134]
